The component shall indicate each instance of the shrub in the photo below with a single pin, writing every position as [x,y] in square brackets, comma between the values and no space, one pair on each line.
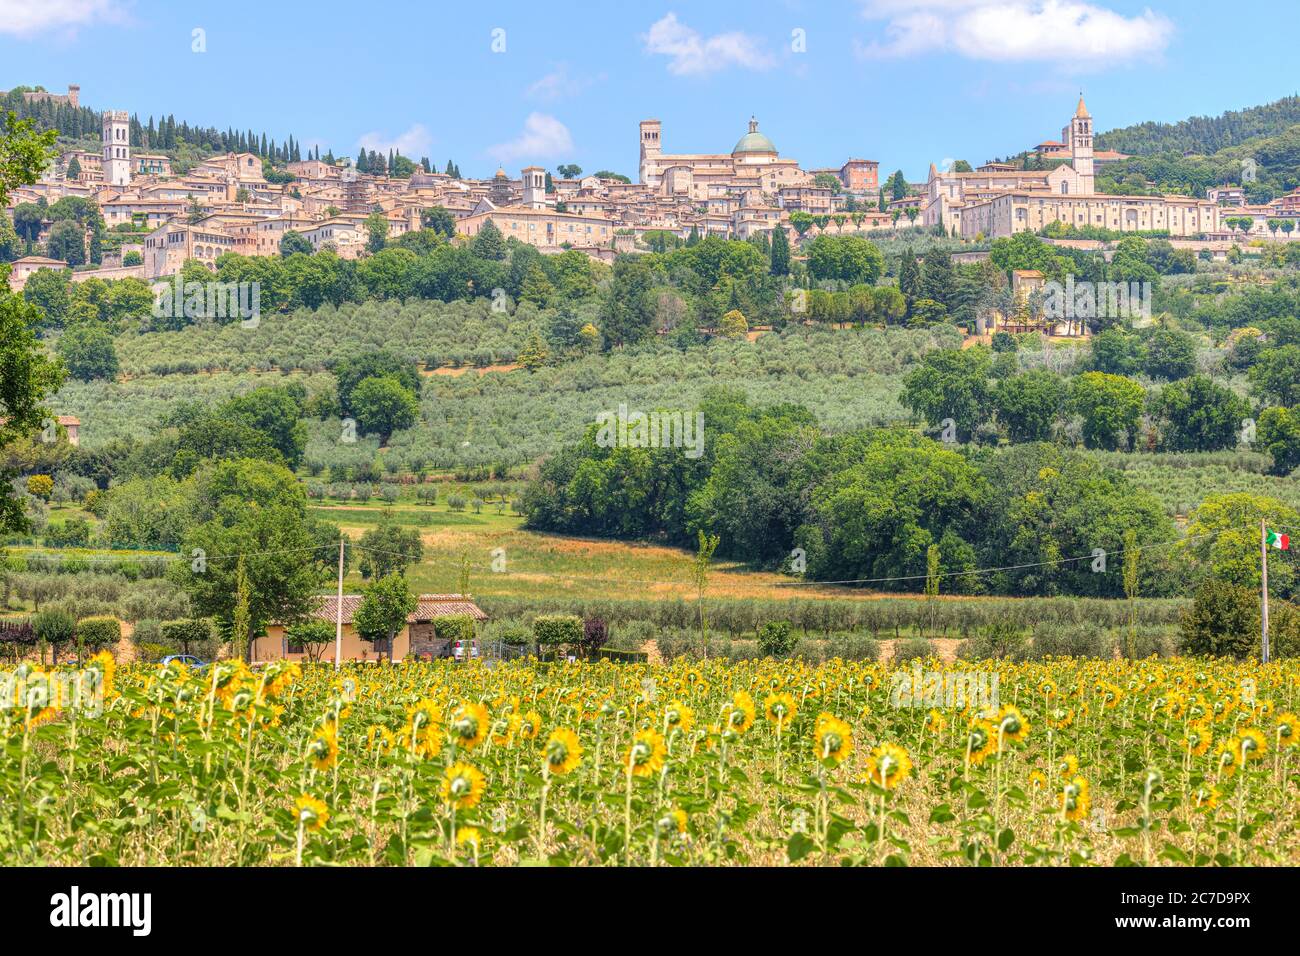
[53,627]
[188,634]
[855,647]
[775,639]
[1224,621]
[594,635]
[152,652]
[512,633]
[552,630]
[999,639]
[311,637]
[456,502]
[94,633]
[40,486]
[147,631]
[1070,640]
[911,649]
[454,627]
[1004,342]
[73,533]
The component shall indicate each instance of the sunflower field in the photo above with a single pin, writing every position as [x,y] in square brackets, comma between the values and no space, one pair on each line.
[697,763]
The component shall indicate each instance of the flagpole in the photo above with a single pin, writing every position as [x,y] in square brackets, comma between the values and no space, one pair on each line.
[338,612]
[1263,557]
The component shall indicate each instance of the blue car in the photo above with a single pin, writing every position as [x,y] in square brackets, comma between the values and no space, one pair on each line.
[187,659]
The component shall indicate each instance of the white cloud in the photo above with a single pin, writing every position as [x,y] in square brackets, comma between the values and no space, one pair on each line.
[29,17]
[689,53]
[560,83]
[1072,33]
[413,144]
[543,136]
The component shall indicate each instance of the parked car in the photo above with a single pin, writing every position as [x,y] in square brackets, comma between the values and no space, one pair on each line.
[464,650]
[187,659]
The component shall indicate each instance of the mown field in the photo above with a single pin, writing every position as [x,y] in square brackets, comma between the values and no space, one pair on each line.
[776,762]
[544,566]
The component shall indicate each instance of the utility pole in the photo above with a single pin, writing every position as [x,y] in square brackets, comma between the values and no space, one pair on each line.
[1263,574]
[338,608]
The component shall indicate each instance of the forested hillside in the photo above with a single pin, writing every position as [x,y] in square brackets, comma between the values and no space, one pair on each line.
[1204,134]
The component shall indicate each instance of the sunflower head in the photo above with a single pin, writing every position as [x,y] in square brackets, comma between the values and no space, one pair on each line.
[677,716]
[1288,729]
[1253,744]
[323,750]
[739,714]
[832,739]
[531,725]
[646,755]
[888,766]
[1205,798]
[563,752]
[780,709]
[1075,800]
[469,725]
[462,786]
[1012,724]
[1067,766]
[310,813]
[981,741]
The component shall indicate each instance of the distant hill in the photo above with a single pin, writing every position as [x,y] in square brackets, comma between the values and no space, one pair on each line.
[1205,135]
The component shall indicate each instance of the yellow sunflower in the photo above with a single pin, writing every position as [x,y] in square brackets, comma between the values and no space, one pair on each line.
[324,748]
[1197,740]
[982,741]
[462,786]
[1253,744]
[832,738]
[1288,729]
[379,739]
[563,751]
[677,716]
[740,713]
[469,725]
[505,728]
[780,709]
[1205,797]
[1059,718]
[1075,800]
[936,722]
[888,766]
[646,755]
[1228,756]
[531,726]
[1012,724]
[310,812]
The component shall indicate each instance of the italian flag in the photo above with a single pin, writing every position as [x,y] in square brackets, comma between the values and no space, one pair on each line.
[1280,541]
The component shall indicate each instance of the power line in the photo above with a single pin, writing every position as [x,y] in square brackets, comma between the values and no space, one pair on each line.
[1011,567]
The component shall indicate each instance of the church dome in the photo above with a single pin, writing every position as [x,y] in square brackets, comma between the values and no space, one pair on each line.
[754,141]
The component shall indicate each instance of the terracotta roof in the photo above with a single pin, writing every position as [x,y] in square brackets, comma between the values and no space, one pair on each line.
[429,607]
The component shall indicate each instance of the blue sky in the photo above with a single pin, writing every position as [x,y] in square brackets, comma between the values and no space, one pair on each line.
[904,82]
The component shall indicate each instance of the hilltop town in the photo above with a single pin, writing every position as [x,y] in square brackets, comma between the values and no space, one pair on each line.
[236,202]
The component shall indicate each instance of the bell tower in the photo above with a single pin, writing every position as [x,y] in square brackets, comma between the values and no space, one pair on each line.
[1079,135]
[651,147]
[117,148]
